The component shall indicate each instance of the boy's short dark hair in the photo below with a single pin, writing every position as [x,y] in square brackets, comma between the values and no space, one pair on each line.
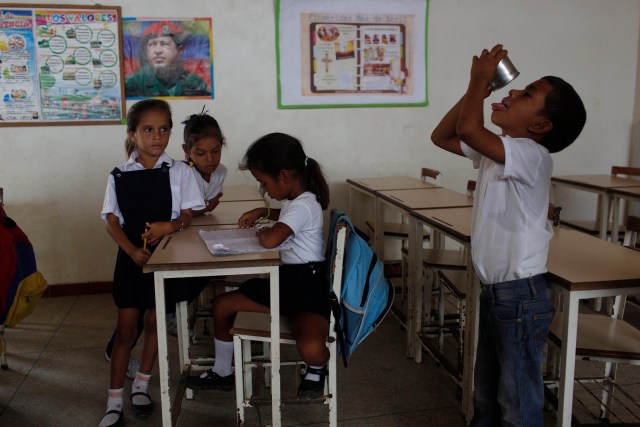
[566,111]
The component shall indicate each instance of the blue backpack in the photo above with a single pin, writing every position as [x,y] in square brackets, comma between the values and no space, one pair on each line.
[366,294]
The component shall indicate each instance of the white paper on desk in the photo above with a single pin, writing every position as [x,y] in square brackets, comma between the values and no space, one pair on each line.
[236,241]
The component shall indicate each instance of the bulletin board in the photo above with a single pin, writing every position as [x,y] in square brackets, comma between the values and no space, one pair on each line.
[60,65]
[361,53]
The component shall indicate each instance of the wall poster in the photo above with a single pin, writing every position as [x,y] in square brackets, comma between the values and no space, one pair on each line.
[168,58]
[360,53]
[60,65]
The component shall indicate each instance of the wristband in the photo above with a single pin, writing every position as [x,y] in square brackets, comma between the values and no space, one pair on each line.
[179,222]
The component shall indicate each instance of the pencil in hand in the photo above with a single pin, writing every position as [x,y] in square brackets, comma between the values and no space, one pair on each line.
[144,241]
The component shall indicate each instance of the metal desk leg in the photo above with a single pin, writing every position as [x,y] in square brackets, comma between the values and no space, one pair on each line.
[470,338]
[604,215]
[567,358]
[414,289]
[275,346]
[163,357]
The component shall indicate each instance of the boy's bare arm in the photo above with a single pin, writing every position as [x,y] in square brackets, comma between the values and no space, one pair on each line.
[470,127]
[445,135]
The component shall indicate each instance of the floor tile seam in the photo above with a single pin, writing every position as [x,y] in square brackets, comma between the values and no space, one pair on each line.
[390,414]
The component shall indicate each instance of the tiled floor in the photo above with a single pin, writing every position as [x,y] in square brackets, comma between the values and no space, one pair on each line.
[58,377]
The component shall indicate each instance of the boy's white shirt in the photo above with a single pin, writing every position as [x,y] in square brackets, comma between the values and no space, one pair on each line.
[510,232]
[304,216]
[211,189]
[185,193]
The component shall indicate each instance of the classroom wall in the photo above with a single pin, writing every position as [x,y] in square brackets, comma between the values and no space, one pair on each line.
[54,177]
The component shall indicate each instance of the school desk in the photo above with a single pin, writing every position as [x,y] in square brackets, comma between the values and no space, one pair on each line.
[617,194]
[407,200]
[237,193]
[602,185]
[184,254]
[363,195]
[580,267]
[227,213]
[454,223]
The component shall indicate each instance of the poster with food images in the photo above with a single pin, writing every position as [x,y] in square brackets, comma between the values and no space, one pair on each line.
[60,65]
[366,53]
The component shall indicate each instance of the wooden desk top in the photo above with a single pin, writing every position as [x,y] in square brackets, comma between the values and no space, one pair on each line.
[185,250]
[432,198]
[227,213]
[382,183]
[453,221]
[235,193]
[579,261]
[627,191]
[596,182]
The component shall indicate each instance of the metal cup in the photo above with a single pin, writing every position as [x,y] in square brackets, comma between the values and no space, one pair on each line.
[505,72]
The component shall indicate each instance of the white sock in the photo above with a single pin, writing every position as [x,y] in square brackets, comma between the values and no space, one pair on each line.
[224,357]
[313,377]
[140,385]
[114,403]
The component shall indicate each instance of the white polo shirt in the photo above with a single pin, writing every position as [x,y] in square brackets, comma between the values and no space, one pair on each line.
[510,232]
[185,193]
[304,216]
[212,188]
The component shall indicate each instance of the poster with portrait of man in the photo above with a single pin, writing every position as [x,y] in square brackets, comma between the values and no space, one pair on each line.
[170,58]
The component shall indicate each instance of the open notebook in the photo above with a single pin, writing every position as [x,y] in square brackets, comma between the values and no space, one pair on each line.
[236,241]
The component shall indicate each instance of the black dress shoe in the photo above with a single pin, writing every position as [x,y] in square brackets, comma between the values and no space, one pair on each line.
[142,411]
[118,422]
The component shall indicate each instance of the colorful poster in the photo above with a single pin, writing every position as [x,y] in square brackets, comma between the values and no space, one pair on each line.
[18,71]
[345,54]
[168,58]
[60,65]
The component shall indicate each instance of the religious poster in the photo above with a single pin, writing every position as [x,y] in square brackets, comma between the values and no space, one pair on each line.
[346,54]
[168,58]
[60,65]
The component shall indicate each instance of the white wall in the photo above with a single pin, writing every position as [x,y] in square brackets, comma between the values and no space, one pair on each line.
[54,177]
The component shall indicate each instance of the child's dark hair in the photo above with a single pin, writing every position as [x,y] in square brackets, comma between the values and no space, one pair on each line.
[564,108]
[199,126]
[278,151]
[135,114]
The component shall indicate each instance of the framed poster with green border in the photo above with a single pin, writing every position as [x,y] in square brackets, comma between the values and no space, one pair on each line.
[360,53]
[60,65]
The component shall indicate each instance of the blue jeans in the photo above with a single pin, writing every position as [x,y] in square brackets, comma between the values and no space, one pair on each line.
[514,322]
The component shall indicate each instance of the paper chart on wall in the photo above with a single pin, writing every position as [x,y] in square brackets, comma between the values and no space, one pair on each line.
[358,53]
[236,241]
[60,65]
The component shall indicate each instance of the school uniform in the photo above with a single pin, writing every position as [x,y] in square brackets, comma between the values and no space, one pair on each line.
[136,196]
[211,189]
[509,241]
[303,282]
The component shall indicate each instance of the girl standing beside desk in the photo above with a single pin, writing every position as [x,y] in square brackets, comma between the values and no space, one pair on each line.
[148,197]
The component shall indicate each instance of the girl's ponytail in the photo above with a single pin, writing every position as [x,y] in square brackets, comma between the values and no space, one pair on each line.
[315,182]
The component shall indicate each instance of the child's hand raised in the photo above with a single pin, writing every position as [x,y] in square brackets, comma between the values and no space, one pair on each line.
[483,67]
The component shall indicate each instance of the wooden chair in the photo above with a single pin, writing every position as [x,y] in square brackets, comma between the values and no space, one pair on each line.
[593,226]
[250,327]
[602,338]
